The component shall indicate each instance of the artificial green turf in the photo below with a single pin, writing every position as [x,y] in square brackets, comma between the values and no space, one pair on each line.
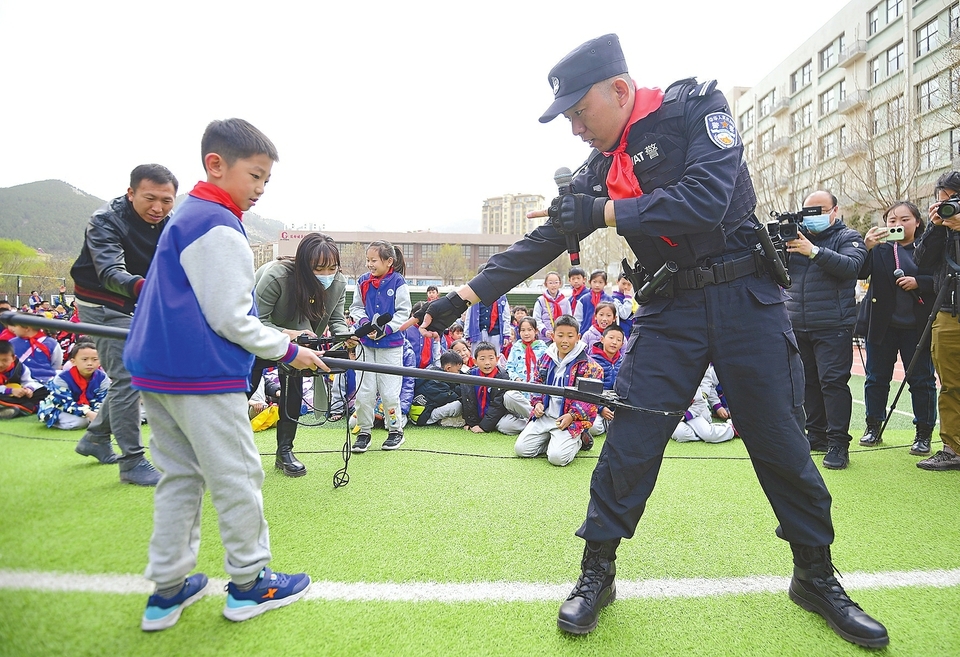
[451,506]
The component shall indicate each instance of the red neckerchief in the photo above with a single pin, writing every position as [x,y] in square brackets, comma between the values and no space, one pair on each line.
[82,383]
[574,297]
[426,351]
[529,358]
[37,345]
[621,180]
[4,376]
[494,315]
[597,326]
[595,298]
[374,281]
[554,304]
[210,192]
[599,351]
[482,392]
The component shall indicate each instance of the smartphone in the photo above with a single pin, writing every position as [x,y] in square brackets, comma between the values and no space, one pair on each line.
[895,234]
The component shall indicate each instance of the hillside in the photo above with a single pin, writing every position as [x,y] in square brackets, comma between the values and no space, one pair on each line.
[51,215]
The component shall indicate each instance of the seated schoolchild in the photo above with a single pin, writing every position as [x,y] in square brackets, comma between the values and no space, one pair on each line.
[462,348]
[19,393]
[557,424]
[696,423]
[38,351]
[438,401]
[75,394]
[483,410]
[513,330]
[522,366]
[607,355]
[452,334]
[604,315]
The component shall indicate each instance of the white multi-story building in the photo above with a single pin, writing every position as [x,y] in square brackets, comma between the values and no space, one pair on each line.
[868,108]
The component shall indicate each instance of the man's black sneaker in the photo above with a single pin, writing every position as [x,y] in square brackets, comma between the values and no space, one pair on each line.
[837,458]
[940,461]
[393,441]
[361,443]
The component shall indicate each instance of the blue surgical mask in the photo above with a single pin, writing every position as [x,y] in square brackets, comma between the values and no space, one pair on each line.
[325,281]
[817,224]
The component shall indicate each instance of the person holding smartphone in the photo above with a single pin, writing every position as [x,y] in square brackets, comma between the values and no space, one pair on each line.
[892,317]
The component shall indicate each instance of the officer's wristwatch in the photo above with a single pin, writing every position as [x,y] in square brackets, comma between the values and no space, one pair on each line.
[814,251]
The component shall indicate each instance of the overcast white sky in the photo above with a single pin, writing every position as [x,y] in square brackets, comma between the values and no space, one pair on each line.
[387,115]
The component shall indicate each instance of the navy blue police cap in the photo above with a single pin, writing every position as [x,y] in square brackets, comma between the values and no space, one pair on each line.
[571,79]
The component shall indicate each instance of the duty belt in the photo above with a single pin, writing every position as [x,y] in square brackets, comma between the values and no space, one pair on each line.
[696,278]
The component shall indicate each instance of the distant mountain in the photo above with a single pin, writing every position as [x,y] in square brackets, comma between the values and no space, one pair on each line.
[51,215]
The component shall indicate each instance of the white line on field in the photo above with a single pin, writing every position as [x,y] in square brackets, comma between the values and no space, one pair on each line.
[488,591]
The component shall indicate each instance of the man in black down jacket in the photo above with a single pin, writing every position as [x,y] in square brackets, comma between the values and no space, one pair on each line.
[823,262]
[118,247]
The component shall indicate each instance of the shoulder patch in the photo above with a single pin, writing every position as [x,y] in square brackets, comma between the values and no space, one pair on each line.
[721,129]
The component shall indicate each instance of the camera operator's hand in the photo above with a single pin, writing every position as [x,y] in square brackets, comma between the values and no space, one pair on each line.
[443,312]
[801,245]
[293,334]
[953,223]
[573,214]
[307,359]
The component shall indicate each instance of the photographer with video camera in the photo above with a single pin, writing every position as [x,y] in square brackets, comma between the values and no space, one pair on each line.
[301,296]
[824,261]
[892,317]
[939,249]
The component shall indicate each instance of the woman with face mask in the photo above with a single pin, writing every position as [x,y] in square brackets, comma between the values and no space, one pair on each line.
[300,295]
[892,316]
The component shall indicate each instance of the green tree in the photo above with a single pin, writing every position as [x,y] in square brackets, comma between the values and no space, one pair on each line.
[450,264]
[18,258]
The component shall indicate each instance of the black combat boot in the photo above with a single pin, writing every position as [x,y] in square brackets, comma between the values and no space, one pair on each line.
[594,590]
[871,437]
[814,588]
[921,444]
[286,461]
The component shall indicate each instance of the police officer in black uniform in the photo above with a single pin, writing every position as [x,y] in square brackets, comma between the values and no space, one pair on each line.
[667,172]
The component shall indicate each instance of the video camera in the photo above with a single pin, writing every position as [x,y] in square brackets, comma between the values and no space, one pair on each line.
[786,226]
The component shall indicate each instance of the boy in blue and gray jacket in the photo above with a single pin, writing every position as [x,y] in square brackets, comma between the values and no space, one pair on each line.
[190,351]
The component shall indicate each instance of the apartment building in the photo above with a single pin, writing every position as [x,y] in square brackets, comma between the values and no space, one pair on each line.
[867,107]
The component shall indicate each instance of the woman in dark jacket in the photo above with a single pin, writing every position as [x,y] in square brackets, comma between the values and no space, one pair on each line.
[303,294]
[894,314]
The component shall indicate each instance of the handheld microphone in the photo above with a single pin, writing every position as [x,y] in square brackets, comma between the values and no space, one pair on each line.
[564,177]
[898,273]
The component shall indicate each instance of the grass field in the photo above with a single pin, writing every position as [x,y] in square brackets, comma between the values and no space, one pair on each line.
[451,546]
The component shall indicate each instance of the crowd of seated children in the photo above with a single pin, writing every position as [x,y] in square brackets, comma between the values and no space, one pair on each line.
[38,351]
[559,426]
[697,422]
[482,406]
[77,392]
[19,392]
[604,315]
[588,302]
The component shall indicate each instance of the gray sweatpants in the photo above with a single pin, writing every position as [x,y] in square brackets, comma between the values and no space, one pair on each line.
[198,441]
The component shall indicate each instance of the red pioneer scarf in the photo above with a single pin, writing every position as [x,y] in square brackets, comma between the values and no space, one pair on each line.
[599,351]
[209,192]
[37,345]
[374,281]
[426,352]
[554,305]
[530,359]
[82,383]
[595,298]
[483,391]
[575,296]
[597,326]
[494,315]
[621,180]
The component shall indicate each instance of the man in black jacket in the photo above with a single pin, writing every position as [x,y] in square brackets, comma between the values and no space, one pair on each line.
[118,247]
[823,311]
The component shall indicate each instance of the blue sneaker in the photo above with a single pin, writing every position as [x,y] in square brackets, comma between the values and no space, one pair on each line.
[274,590]
[162,613]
